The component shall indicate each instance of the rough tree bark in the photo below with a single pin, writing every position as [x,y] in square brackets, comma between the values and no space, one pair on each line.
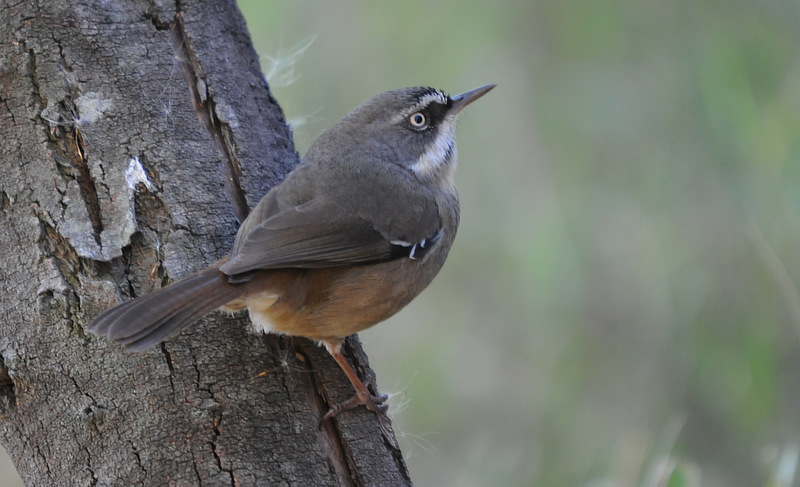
[134,135]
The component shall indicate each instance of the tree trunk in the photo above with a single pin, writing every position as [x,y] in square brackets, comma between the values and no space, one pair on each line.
[134,135]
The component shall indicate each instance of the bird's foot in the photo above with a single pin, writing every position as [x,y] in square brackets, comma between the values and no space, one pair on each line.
[373,403]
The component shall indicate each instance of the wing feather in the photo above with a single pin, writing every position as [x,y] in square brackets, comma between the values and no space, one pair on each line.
[294,225]
[295,239]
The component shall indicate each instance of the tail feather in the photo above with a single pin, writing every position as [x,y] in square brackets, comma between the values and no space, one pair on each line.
[151,319]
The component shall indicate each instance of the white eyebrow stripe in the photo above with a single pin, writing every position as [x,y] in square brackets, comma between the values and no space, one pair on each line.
[434,96]
[424,101]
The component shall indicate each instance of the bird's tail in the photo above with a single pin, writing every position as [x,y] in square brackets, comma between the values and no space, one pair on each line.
[151,319]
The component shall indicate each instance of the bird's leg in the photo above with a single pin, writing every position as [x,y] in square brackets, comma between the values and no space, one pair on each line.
[363,396]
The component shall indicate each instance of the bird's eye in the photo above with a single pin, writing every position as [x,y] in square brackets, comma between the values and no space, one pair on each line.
[418,120]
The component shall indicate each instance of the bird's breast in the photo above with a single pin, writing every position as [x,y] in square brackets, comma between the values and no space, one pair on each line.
[338,301]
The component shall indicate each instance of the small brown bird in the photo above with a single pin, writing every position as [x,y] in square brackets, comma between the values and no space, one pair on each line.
[355,232]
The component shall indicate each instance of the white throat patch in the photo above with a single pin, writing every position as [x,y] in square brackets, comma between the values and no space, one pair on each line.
[441,152]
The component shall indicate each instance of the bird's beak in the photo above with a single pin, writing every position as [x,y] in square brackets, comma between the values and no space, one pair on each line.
[464,99]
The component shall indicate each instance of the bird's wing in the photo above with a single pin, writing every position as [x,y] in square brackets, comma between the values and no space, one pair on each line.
[308,236]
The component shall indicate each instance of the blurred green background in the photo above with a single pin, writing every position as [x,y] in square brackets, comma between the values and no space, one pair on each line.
[620,307]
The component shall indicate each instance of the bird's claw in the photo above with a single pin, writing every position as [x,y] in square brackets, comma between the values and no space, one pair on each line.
[375,404]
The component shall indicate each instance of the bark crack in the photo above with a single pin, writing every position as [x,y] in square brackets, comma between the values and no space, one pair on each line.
[329,438]
[91,414]
[43,462]
[64,138]
[9,111]
[206,109]
[197,470]
[158,23]
[217,457]
[8,394]
[138,458]
[89,467]
[214,407]
[170,366]
[53,244]
[5,201]
[394,450]
[87,186]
